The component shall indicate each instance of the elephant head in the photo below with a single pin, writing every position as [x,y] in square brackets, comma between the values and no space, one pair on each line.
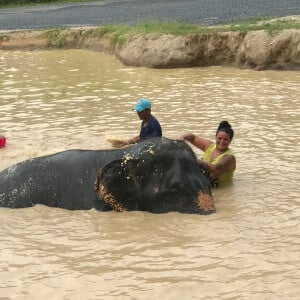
[158,175]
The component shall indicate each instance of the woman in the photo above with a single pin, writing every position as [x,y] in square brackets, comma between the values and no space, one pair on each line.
[218,161]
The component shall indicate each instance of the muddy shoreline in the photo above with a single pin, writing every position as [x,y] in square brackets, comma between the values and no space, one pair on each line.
[259,50]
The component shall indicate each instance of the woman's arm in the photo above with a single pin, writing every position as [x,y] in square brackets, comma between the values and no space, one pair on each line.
[196,140]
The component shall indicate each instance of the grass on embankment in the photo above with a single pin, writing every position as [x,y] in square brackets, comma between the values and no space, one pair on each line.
[176,28]
[121,33]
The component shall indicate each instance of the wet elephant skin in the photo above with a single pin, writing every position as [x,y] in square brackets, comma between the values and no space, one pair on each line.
[157,175]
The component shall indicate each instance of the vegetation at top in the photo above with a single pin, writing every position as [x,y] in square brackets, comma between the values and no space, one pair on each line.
[121,33]
[177,28]
[266,24]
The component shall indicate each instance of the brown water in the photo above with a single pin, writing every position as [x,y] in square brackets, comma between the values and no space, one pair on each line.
[249,249]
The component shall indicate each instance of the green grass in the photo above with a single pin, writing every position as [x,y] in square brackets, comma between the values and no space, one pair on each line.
[176,28]
[56,37]
[121,33]
[266,24]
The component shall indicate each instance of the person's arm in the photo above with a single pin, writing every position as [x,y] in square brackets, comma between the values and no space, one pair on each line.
[134,140]
[226,164]
[196,140]
[122,143]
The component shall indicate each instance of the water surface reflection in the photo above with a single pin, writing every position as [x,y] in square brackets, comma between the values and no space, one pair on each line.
[52,101]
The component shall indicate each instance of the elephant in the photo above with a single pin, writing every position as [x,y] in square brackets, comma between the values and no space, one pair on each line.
[157,175]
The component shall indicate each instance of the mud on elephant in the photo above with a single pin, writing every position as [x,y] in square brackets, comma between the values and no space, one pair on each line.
[157,175]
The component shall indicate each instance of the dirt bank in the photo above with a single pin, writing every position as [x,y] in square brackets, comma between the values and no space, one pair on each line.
[255,49]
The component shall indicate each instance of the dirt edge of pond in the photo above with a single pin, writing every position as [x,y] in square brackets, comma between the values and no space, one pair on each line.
[258,50]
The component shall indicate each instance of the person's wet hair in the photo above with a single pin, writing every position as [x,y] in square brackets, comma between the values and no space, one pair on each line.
[225,127]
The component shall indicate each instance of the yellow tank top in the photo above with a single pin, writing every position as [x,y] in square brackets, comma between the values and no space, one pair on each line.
[223,179]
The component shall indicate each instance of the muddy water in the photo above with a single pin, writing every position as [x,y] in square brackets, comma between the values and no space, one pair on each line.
[249,249]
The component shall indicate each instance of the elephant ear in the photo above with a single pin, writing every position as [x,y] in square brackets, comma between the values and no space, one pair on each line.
[117,185]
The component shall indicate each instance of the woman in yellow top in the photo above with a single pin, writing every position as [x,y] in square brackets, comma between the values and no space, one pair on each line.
[218,161]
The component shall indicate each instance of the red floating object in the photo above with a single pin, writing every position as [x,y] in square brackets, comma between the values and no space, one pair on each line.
[2,141]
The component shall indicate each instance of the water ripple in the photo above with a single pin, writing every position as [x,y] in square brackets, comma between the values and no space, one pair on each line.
[248,249]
